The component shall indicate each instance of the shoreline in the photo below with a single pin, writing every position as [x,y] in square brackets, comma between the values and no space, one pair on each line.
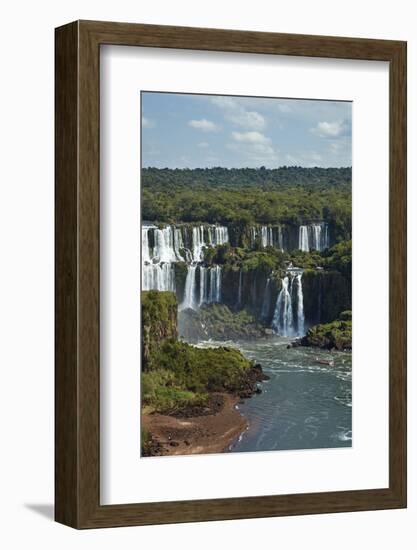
[211,433]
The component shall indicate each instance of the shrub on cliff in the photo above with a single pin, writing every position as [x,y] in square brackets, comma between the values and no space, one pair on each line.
[335,335]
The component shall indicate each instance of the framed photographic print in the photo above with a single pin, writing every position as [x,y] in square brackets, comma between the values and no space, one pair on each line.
[230,274]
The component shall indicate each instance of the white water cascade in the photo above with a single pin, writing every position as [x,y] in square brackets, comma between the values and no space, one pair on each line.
[269,236]
[215,284]
[203,285]
[157,267]
[313,237]
[163,247]
[300,306]
[282,323]
[189,291]
[217,235]
[288,317]
[209,290]
[303,238]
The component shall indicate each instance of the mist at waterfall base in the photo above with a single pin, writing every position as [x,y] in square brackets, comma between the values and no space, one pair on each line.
[305,404]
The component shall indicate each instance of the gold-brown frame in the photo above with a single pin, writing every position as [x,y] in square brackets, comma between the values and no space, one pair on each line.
[77,405]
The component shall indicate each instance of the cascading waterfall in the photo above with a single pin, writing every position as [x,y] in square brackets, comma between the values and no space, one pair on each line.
[198,243]
[266,235]
[157,270]
[221,235]
[313,237]
[316,236]
[300,306]
[189,291]
[288,319]
[146,258]
[210,288]
[203,285]
[158,277]
[303,238]
[215,284]
[163,247]
[282,322]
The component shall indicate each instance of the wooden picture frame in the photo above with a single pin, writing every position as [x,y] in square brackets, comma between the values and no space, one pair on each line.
[77,408]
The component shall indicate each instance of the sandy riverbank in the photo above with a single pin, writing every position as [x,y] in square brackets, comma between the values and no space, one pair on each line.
[211,433]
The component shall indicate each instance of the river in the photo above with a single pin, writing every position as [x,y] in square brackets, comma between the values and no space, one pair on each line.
[304,405]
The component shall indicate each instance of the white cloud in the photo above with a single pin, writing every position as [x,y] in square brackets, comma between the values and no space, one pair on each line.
[204,125]
[203,144]
[247,119]
[255,147]
[250,137]
[147,122]
[333,130]
[284,108]
[235,112]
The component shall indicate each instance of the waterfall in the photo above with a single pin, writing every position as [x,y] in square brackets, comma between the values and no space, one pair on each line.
[288,319]
[300,306]
[266,300]
[215,284]
[178,243]
[264,236]
[198,243]
[164,245]
[303,238]
[189,291]
[158,277]
[145,246]
[203,285]
[313,237]
[221,235]
[267,236]
[316,236]
[157,271]
[282,321]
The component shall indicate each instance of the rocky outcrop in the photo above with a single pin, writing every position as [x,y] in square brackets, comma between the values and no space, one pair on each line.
[336,335]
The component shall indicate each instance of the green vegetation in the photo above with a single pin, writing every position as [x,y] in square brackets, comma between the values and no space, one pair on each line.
[243,197]
[266,260]
[159,321]
[334,335]
[339,258]
[176,375]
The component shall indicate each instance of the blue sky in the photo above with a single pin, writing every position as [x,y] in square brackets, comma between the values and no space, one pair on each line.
[189,131]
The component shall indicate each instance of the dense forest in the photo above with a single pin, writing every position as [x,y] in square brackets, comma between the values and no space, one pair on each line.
[286,195]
